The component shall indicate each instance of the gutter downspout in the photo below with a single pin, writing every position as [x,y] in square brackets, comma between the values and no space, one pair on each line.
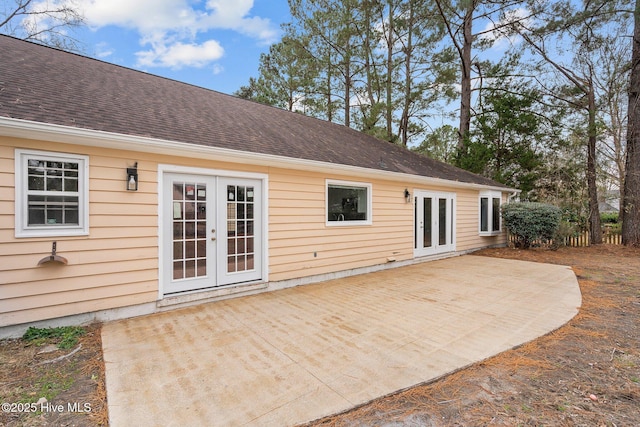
[512,195]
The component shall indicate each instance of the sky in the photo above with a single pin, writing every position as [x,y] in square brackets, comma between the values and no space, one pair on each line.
[214,44]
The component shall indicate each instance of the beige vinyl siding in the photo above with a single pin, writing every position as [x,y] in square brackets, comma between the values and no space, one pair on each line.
[7,206]
[44,312]
[300,242]
[117,264]
[468,234]
[114,266]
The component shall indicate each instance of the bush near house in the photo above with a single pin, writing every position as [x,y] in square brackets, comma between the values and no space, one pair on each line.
[528,222]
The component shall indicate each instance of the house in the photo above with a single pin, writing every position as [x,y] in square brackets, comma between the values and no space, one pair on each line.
[124,193]
[609,201]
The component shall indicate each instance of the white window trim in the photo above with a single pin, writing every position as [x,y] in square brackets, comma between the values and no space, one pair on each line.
[22,229]
[366,185]
[490,195]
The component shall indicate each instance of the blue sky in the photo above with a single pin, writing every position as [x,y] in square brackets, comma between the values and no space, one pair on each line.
[210,43]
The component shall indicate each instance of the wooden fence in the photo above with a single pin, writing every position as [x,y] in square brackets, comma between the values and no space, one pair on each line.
[583,239]
[580,240]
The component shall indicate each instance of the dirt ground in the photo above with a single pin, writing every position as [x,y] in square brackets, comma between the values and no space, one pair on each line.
[72,382]
[587,373]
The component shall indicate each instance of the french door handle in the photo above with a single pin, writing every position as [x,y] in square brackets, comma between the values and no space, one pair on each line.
[213,230]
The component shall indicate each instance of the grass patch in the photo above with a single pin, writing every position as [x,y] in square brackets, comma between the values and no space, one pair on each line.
[65,337]
[52,384]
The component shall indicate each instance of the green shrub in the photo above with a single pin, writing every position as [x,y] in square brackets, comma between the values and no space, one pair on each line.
[575,218]
[565,231]
[528,222]
[609,218]
[65,336]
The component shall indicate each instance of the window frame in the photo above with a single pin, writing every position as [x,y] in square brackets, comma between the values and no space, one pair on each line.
[490,196]
[356,185]
[22,227]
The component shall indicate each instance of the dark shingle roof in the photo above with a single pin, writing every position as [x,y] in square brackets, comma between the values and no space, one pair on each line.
[46,85]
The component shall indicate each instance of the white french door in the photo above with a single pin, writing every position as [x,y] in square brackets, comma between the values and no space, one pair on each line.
[434,222]
[240,236]
[212,231]
[189,232]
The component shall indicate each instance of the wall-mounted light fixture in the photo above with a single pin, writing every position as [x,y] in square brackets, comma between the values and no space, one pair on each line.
[132,178]
[407,195]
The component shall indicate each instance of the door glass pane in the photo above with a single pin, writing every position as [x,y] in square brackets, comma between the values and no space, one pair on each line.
[415,215]
[189,230]
[426,220]
[240,228]
[178,250]
[442,221]
[178,270]
[451,236]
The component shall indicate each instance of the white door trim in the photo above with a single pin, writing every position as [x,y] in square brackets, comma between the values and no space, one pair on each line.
[450,230]
[168,168]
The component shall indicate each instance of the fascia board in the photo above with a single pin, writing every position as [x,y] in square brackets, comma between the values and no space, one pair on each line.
[88,137]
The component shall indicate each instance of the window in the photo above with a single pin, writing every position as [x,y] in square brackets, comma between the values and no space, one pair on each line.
[490,202]
[348,203]
[51,194]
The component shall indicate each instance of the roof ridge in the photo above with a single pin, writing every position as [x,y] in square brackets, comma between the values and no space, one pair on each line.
[47,86]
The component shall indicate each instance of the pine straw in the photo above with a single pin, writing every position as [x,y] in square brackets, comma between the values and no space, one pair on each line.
[440,397]
[94,368]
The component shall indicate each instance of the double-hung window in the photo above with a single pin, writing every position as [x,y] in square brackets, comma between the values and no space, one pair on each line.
[51,194]
[490,223]
[348,203]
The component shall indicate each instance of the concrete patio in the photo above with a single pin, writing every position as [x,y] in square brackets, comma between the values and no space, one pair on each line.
[292,356]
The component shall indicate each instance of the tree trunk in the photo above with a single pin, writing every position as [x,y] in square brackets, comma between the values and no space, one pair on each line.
[595,229]
[465,83]
[369,120]
[408,84]
[631,200]
[389,82]
[347,90]
[328,94]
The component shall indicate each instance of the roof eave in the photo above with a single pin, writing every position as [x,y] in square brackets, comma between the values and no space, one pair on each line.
[27,129]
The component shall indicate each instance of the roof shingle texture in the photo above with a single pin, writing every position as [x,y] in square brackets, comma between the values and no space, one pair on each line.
[46,85]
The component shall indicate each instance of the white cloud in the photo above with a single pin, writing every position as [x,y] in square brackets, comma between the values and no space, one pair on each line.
[103,50]
[497,36]
[217,69]
[232,14]
[178,55]
[143,15]
[173,28]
